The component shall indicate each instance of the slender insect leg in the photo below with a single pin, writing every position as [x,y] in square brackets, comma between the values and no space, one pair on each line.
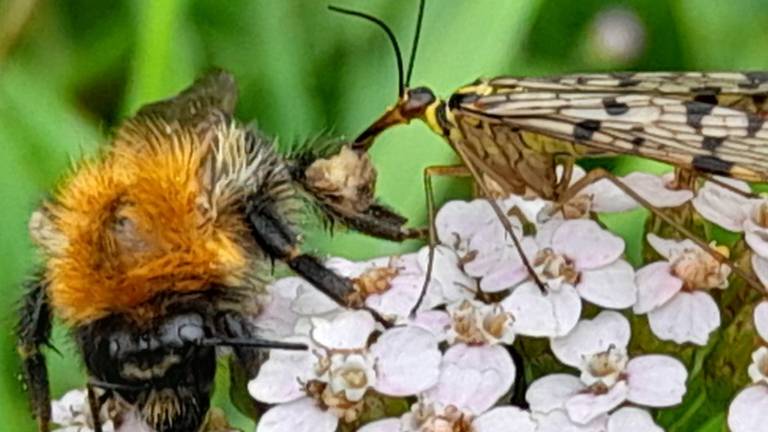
[727,186]
[34,331]
[429,172]
[599,173]
[95,406]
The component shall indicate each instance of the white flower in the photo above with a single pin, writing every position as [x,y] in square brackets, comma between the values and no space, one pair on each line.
[477,323]
[608,376]
[73,414]
[672,292]
[316,388]
[576,259]
[659,191]
[424,418]
[749,409]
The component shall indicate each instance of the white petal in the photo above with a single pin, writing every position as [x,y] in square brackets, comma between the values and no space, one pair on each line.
[407,361]
[550,392]
[749,410]
[546,231]
[756,237]
[540,315]
[655,286]
[612,286]
[311,302]
[587,244]
[670,248]
[277,319]
[653,189]
[437,322]
[721,206]
[302,415]
[504,419]
[348,330]
[448,283]
[760,266]
[279,378]
[558,421]
[607,329]
[632,419]
[656,380]
[462,219]
[687,317]
[473,378]
[503,268]
[608,198]
[761,320]
[385,425]
[586,407]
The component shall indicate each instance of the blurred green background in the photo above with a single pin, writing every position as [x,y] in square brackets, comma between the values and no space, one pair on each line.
[72,70]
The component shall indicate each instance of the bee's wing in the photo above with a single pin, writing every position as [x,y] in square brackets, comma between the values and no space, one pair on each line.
[214,93]
[678,130]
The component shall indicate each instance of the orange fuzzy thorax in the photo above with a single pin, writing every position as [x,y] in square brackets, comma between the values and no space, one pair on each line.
[134,224]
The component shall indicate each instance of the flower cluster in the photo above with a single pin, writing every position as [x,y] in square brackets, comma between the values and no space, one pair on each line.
[559,277]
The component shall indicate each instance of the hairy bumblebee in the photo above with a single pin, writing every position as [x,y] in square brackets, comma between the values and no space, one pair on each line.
[155,251]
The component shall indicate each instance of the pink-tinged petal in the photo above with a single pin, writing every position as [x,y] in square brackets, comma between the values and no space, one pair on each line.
[760,266]
[302,415]
[756,237]
[529,207]
[587,244]
[551,392]
[608,198]
[385,425]
[721,206]
[460,220]
[279,378]
[586,407]
[504,419]
[632,419]
[407,361]
[540,315]
[656,380]
[670,248]
[687,317]
[654,189]
[131,422]
[351,269]
[558,421]
[607,329]
[655,286]
[473,378]
[437,322]
[348,330]
[546,231]
[612,286]
[749,410]
[761,320]
[311,302]
[277,319]
[504,268]
[448,283]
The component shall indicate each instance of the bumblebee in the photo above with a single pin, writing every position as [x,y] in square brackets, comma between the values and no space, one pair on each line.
[155,253]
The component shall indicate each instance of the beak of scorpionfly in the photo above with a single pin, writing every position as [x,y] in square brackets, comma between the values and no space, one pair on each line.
[412,104]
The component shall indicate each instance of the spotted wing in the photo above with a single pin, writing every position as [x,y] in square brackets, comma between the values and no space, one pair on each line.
[679,130]
[742,90]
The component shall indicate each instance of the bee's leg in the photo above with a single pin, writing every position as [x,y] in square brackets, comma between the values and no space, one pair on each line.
[277,239]
[34,331]
[599,173]
[376,221]
[95,406]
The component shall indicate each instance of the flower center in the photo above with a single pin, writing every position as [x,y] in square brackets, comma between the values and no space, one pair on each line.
[424,418]
[476,324]
[552,266]
[699,270]
[374,281]
[604,369]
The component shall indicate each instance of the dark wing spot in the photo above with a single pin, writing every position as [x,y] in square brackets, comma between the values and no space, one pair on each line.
[582,80]
[583,130]
[754,79]
[614,107]
[759,100]
[754,124]
[712,164]
[638,141]
[695,111]
[712,143]
[706,90]
[458,99]
[626,79]
[706,98]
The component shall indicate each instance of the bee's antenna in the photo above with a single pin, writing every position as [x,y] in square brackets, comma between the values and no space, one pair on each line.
[414,45]
[392,40]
